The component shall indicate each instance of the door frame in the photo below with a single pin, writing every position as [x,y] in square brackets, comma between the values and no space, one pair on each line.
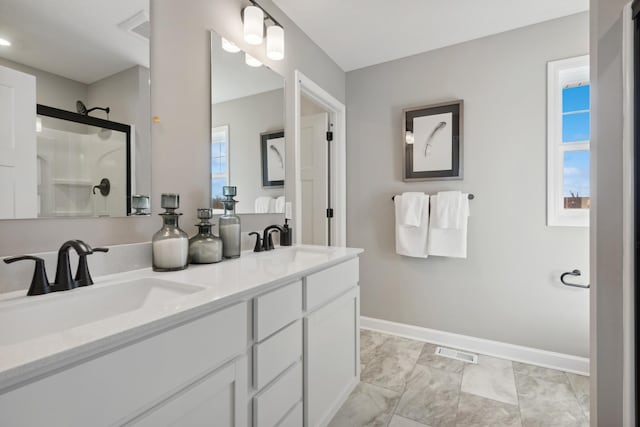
[338,157]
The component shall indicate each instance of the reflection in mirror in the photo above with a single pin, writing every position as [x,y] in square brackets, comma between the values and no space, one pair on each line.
[247,139]
[75,134]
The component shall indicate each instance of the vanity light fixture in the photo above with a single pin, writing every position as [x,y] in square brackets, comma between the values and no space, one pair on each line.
[255,19]
[38,124]
[230,47]
[4,42]
[253,25]
[251,61]
[275,42]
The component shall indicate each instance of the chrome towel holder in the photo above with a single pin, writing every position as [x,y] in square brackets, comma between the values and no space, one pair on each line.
[470,196]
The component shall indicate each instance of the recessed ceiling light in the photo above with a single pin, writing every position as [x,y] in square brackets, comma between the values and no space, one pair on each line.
[4,42]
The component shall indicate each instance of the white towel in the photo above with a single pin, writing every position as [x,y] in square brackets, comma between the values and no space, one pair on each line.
[262,204]
[279,205]
[447,212]
[449,242]
[412,241]
[411,207]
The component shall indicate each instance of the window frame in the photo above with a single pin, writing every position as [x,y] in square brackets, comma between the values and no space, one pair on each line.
[218,134]
[560,74]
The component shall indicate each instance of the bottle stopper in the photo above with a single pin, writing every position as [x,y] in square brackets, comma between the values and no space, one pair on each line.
[170,201]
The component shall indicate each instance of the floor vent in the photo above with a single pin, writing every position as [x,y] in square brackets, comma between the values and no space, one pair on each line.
[457,354]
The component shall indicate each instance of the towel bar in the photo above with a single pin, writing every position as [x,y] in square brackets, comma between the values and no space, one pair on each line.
[470,196]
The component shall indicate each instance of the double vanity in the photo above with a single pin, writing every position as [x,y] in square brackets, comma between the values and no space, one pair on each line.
[268,339]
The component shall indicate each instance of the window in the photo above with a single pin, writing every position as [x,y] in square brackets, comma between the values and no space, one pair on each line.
[219,164]
[568,135]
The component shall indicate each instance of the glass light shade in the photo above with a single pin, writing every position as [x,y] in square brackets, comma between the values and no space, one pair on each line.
[229,46]
[253,25]
[275,42]
[251,61]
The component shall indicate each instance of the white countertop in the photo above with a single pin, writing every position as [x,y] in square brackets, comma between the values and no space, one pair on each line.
[224,283]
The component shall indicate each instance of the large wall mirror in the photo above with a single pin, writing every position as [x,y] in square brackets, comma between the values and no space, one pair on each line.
[75,125]
[248,140]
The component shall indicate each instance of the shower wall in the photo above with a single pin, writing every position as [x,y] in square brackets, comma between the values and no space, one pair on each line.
[70,164]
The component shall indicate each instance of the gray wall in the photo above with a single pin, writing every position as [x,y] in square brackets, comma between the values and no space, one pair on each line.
[247,118]
[180,97]
[606,214]
[508,288]
[51,89]
[127,94]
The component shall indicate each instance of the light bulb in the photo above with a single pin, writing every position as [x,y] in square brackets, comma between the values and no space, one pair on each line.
[275,42]
[253,25]
[251,61]
[229,46]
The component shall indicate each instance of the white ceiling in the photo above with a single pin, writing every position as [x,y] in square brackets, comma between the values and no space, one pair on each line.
[77,39]
[359,33]
[231,78]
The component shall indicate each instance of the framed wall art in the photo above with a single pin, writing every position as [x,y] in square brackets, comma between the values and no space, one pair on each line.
[432,142]
[273,157]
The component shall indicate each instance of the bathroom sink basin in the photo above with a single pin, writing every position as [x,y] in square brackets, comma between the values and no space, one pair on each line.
[300,254]
[33,317]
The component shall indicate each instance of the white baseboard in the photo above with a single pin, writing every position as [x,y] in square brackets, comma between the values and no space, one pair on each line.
[517,353]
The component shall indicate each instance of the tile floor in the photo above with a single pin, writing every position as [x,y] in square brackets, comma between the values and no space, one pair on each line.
[404,384]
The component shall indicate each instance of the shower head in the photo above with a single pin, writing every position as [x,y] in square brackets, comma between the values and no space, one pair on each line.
[82,109]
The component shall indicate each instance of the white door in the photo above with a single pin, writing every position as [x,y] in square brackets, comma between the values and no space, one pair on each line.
[18,161]
[313,173]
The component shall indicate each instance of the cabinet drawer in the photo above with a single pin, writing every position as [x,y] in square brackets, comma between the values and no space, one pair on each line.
[121,384]
[218,399]
[276,309]
[293,418]
[273,403]
[276,353]
[324,285]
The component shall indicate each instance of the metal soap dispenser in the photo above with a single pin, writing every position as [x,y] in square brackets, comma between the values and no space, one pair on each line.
[205,247]
[170,245]
[229,224]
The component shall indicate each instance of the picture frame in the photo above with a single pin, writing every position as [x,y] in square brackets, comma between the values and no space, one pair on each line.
[272,151]
[432,142]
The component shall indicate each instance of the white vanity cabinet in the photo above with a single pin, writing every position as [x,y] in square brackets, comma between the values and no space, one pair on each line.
[118,388]
[284,354]
[332,341]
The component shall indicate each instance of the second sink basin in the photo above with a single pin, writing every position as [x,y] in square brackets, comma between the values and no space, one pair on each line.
[32,317]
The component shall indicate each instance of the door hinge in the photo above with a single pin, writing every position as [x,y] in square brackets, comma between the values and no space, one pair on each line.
[329,213]
[329,136]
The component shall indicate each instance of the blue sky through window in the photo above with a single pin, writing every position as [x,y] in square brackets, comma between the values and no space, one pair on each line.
[576,128]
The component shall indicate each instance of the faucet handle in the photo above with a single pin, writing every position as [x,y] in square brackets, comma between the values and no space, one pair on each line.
[83,276]
[39,282]
[258,245]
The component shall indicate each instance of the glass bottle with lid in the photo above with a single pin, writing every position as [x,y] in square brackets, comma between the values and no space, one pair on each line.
[205,247]
[170,245]
[229,224]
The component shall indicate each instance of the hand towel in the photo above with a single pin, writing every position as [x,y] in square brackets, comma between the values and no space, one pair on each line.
[447,211]
[279,205]
[412,241]
[411,207]
[449,242]
[262,204]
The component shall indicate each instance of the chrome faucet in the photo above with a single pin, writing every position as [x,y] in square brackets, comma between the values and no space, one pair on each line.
[64,281]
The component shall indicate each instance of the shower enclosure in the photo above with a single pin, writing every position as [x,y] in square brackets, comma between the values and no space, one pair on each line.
[83,164]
